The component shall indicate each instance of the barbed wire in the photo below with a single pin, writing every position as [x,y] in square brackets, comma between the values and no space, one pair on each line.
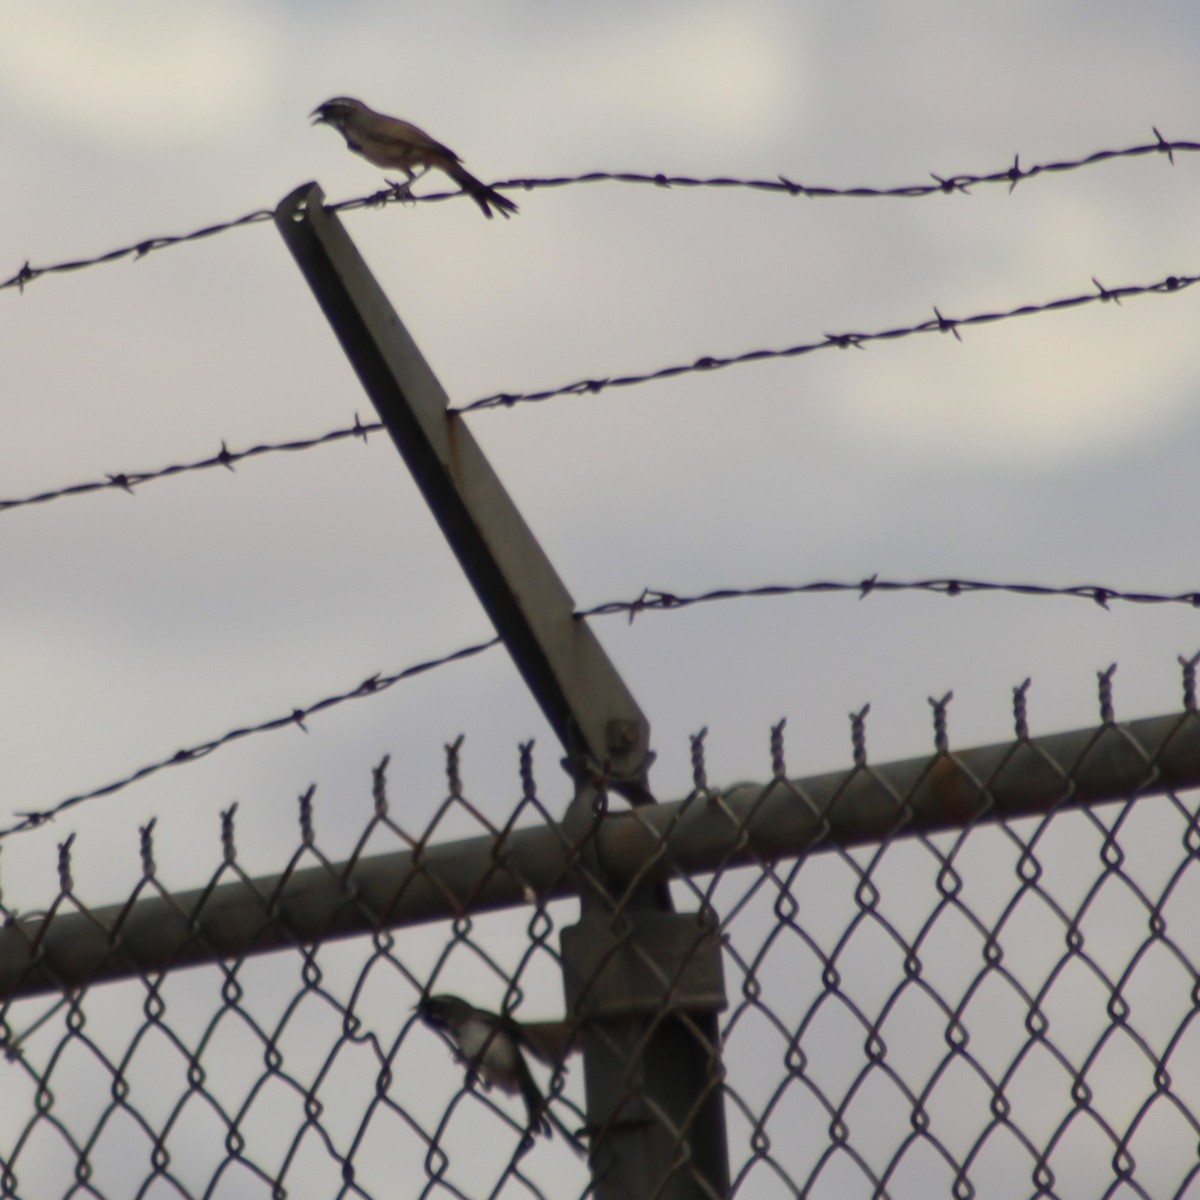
[655,600]
[944,185]
[831,341]
[960,183]
[650,600]
[128,480]
[135,250]
[376,683]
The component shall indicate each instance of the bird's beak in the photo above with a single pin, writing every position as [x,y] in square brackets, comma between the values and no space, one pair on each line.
[318,115]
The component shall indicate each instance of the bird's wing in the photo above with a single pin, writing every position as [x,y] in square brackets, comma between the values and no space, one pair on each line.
[406,134]
[551,1041]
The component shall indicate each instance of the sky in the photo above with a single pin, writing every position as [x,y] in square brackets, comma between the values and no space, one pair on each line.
[1051,449]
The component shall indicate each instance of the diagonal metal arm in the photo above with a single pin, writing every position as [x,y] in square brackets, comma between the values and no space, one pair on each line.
[583,697]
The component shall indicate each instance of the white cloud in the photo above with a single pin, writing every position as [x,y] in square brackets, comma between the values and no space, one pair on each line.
[1059,390]
[138,73]
[1054,388]
[702,80]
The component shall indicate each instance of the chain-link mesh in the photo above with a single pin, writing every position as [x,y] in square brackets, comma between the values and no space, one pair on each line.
[1002,1007]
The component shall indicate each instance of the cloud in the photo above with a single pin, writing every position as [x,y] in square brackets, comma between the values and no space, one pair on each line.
[707,80]
[1051,389]
[136,74]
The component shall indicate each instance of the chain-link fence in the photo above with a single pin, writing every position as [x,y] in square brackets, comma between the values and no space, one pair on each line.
[973,974]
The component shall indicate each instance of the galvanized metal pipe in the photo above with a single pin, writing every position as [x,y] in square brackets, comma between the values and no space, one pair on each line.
[749,823]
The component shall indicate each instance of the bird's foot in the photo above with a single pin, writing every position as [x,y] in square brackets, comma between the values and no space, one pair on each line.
[401,191]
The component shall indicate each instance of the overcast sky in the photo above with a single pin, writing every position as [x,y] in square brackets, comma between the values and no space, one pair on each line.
[1053,449]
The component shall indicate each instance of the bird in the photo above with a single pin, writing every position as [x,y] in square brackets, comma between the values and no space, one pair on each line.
[490,1044]
[394,144]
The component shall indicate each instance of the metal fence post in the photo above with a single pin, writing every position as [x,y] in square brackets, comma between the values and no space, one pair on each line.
[646,986]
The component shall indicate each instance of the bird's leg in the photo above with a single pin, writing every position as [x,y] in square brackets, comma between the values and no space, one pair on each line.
[403,191]
[380,198]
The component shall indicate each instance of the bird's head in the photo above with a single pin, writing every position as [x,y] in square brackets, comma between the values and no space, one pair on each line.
[337,112]
[444,1011]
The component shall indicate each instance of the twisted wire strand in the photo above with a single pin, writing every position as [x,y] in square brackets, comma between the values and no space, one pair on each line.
[938,323]
[650,600]
[959,183]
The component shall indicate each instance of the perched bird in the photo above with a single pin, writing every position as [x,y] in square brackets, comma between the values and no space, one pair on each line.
[490,1044]
[394,144]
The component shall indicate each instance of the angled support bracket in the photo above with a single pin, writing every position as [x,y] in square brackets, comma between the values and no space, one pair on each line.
[583,697]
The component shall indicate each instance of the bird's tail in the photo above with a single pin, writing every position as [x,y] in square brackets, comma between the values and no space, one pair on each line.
[486,197]
[541,1119]
[535,1102]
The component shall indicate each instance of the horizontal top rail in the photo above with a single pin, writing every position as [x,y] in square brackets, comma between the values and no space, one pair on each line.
[709,830]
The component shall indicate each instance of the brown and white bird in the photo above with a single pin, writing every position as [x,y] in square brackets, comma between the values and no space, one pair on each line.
[492,1044]
[398,145]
